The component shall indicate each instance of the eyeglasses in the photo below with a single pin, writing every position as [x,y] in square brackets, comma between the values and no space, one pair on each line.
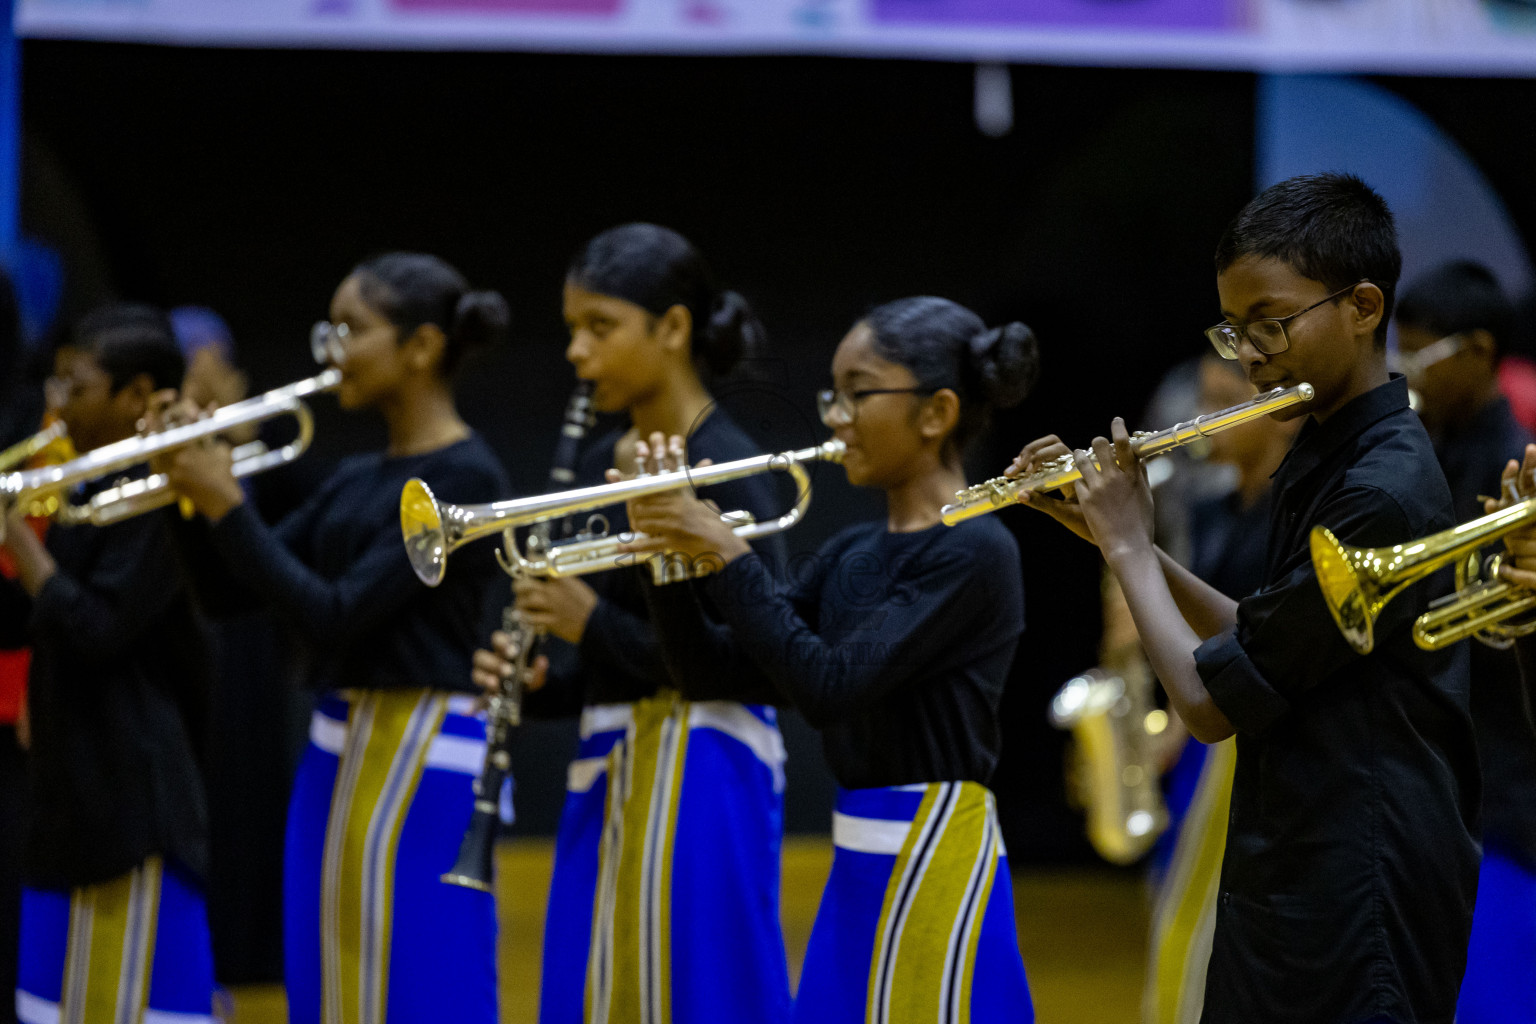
[328,341]
[845,404]
[1413,364]
[1268,334]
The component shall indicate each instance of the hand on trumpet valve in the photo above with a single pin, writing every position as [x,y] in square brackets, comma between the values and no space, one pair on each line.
[678,520]
[20,540]
[202,472]
[1064,509]
[561,606]
[1113,495]
[492,668]
[1518,483]
[164,409]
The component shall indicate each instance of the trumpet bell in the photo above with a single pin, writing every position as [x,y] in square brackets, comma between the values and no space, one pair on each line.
[1343,573]
[421,523]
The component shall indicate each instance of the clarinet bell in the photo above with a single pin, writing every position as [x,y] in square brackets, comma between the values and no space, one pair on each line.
[474,867]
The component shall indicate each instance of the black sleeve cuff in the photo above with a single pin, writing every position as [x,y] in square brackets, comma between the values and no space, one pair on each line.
[1236,685]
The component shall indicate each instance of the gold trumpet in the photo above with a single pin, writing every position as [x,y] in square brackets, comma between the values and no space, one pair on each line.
[52,439]
[134,497]
[48,447]
[1358,582]
[433,530]
[1058,473]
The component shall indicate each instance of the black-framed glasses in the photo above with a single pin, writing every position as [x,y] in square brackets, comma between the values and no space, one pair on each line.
[1267,334]
[844,405]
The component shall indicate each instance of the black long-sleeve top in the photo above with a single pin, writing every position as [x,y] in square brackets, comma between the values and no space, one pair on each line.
[337,568]
[1473,458]
[118,696]
[1352,843]
[619,659]
[1229,544]
[895,645]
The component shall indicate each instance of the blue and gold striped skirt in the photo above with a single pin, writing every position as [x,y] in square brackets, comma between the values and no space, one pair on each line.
[916,923]
[134,950]
[379,807]
[1184,915]
[670,843]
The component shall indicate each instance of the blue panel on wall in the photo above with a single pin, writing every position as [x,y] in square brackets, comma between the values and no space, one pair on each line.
[1445,207]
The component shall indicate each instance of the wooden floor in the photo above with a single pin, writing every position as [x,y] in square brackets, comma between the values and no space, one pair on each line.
[1081,932]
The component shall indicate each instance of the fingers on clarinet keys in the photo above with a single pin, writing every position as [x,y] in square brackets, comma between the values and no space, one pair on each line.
[489,670]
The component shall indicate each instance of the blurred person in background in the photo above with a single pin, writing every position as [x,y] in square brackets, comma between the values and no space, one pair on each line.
[256,712]
[21,402]
[115,851]
[1452,326]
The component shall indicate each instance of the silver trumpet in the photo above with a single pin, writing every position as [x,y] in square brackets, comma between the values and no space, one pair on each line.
[1058,473]
[135,497]
[433,530]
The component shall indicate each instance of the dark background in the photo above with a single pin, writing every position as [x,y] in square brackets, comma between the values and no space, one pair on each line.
[251,181]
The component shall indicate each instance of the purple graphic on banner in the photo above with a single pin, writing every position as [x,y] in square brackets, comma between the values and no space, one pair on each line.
[1194,14]
[581,7]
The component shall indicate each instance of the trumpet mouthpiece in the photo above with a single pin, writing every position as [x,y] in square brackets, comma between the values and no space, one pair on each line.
[421,525]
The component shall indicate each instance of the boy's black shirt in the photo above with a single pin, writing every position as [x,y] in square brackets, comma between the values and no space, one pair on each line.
[118,695]
[1473,458]
[1352,847]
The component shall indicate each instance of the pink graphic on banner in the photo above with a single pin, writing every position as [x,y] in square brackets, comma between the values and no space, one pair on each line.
[1131,14]
[557,7]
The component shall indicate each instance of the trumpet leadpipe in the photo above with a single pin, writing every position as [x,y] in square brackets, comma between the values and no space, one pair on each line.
[19,453]
[1002,491]
[138,496]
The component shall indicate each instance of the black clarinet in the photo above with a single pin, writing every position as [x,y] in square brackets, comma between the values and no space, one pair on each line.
[473,868]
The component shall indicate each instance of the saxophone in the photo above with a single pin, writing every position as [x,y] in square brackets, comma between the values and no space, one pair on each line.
[1117,731]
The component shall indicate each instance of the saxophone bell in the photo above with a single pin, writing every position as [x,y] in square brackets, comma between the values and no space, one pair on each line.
[1117,778]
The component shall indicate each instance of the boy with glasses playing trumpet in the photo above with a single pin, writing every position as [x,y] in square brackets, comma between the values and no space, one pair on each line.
[113,922]
[1351,857]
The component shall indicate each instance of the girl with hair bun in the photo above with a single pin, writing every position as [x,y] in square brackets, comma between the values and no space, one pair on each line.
[664,899]
[896,644]
[384,790]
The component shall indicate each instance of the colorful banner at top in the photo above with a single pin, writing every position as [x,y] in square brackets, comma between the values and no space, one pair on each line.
[1473,37]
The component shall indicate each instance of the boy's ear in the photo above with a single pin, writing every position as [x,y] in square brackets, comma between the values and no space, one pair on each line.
[1369,303]
[1481,342]
[133,398]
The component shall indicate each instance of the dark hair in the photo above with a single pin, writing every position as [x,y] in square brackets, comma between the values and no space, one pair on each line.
[128,339]
[1332,228]
[656,268]
[1455,297]
[414,288]
[946,345]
